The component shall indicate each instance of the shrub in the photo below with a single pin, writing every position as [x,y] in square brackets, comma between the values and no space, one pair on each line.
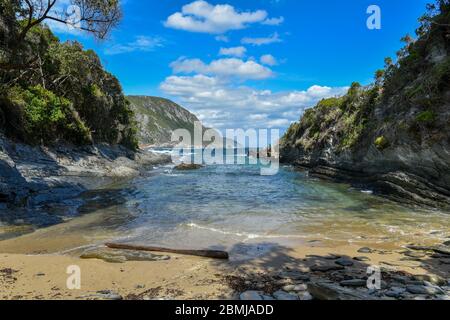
[381,143]
[426,116]
[47,117]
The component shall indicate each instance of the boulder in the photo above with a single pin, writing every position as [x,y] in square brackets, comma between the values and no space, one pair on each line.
[188,167]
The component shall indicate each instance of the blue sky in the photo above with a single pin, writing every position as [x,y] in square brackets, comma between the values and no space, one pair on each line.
[249,64]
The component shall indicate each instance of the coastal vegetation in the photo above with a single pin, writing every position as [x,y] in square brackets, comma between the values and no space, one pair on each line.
[393,133]
[54,92]
[416,83]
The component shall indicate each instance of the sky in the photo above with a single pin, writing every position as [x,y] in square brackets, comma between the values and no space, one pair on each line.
[249,64]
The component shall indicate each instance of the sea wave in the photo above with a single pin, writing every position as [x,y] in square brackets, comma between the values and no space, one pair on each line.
[248,236]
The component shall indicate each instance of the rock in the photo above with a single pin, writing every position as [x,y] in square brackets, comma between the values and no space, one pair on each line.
[361,259]
[444,261]
[433,279]
[445,250]
[395,292]
[400,279]
[446,243]
[289,288]
[420,248]
[413,254]
[103,295]
[284,296]
[305,296]
[344,262]
[268,298]
[326,267]
[354,283]
[121,256]
[251,296]
[301,287]
[330,291]
[442,250]
[188,167]
[417,289]
[365,250]
[294,275]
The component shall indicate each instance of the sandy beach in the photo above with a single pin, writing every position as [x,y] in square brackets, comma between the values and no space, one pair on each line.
[34,266]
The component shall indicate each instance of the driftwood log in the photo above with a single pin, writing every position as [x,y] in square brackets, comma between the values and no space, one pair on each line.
[199,253]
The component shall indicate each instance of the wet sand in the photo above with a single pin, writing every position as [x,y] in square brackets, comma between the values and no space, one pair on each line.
[34,266]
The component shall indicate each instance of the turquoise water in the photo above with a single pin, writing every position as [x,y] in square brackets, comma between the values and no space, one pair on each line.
[219,206]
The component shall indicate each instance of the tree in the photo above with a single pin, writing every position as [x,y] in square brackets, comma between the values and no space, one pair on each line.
[95,16]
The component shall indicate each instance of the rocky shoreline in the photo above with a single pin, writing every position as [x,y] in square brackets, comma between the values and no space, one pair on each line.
[398,186]
[336,277]
[33,175]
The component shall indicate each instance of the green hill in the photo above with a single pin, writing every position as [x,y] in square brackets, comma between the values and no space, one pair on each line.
[157,118]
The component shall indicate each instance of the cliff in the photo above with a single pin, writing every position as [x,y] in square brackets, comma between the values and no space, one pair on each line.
[392,135]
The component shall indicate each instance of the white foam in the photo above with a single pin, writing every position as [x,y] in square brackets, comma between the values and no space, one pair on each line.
[248,236]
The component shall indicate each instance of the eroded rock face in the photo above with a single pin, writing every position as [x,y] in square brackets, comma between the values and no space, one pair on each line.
[412,169]
[32,175]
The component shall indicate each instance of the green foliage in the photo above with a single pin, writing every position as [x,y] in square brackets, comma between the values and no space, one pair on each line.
[47,117]
[415,58]
[382,143]
[65,88]
[420,78]
[426,116]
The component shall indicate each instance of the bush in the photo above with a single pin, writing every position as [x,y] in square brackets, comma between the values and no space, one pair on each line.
[381,143]
[426,116]
[47,117]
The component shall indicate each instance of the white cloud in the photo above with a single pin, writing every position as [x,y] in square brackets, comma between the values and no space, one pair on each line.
[222,38]
[269,60]
[234,51]
[141,43]
[273,21]
[274,38]
[226,105]
[201,16]
[230,67]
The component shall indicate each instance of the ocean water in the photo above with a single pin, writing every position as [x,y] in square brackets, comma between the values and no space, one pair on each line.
[220,206]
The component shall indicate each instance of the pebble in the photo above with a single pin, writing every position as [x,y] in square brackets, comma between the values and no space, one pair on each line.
[344,262]
[416,289]
[251,296]
[395,292]
[365,250]
[434,279]
[414,254]
[281,295]
[105,295]
[361,259]
[289,288]
[326,267]
[354,283]
[301,287]
[305,296]
[294,275]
